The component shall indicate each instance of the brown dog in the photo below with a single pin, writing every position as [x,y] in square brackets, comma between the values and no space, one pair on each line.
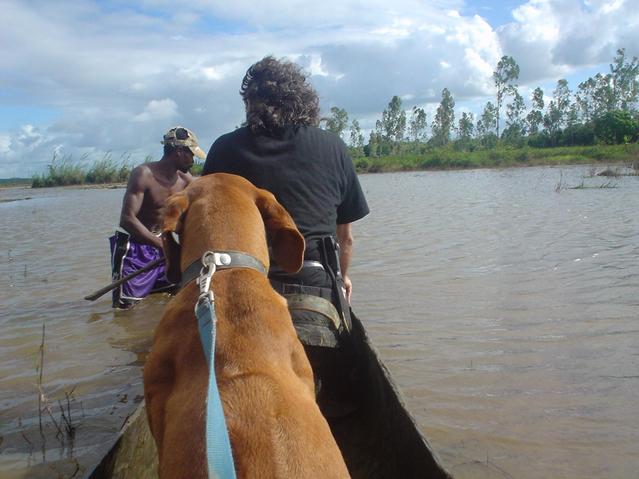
[265,380]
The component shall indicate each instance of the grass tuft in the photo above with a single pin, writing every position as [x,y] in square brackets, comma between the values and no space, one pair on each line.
[65,171]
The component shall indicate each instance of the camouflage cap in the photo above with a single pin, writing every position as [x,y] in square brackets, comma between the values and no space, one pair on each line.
[180,136]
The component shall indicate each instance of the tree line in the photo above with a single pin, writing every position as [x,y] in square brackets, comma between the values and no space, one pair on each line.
[603,109]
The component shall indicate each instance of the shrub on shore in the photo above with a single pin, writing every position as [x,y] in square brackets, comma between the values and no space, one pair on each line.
[448,158]
[65,172]
[108,171]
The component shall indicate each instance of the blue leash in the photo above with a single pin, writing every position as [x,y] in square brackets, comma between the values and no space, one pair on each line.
[218,446]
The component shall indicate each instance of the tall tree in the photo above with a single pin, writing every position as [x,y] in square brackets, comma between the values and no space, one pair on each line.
[573,115]
[605,93]
[338,121]
[394,121]
[625,86]
[444,121]
[480,129]
[595,96]
[418,124]
[504,77]
[373,144]
[356,137]
[514,115]
[383,143]
[535,116]
[466,129]
[552,121]
[488,120]
[487,125]
[561,96]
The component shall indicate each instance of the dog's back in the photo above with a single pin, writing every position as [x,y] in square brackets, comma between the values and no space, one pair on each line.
[265,380]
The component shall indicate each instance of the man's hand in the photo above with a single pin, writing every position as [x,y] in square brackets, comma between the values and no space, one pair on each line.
[345,240]
[348,285]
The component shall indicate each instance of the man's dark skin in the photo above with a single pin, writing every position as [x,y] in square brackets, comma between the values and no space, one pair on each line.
[149,187]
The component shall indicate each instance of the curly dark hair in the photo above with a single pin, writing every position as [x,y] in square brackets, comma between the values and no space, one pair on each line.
[276,94]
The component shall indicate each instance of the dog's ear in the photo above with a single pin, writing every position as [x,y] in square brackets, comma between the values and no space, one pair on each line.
[174,210]
[286,242]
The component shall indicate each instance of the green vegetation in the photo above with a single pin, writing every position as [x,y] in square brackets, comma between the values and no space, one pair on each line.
[196,169]
[444,158]
[65,172]
[598,122]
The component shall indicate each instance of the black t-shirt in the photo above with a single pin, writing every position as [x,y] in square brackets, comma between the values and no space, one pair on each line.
[308,170]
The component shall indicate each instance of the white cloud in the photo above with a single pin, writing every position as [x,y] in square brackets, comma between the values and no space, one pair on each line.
[612,6]
[551,38]
[164,109]
[400,28]
[315,66]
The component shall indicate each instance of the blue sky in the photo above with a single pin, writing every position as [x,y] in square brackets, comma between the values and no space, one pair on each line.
[87,77]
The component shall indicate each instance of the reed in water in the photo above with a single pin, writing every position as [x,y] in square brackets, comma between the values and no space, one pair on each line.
[65,171]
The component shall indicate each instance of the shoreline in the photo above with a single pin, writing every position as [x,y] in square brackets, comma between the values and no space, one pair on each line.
[387,168]
[445,159]
[85,186]
[603,164]
[449,159]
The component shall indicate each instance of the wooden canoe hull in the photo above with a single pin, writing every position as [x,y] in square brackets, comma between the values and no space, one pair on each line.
[134,455]
[378,441]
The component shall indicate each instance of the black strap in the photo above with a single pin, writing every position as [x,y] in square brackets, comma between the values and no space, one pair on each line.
[306,264]
[330,253]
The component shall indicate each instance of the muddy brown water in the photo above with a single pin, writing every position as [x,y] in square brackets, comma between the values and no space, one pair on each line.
[506,311]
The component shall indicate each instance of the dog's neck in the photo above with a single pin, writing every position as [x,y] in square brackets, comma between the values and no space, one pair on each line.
[221,260]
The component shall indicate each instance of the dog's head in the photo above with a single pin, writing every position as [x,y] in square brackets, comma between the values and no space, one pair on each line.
[227,212]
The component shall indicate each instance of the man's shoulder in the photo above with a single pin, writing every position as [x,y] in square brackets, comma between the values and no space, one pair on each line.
[325,136]
[144,168]
[224,149]
[325,144]
[232,136]
[141,175]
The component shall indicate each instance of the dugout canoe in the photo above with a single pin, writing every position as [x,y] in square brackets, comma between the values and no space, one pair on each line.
[381,426]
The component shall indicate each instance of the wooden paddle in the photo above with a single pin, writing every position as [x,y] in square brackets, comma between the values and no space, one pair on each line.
[115,284]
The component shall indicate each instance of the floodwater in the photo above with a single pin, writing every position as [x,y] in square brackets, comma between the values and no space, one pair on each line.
[506,311]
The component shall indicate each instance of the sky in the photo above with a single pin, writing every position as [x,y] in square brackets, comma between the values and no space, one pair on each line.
[87,78]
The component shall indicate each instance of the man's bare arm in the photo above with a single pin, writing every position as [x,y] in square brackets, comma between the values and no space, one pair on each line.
[131,205]
[345,239]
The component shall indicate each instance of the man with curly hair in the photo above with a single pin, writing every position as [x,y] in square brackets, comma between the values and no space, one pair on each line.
[281,148]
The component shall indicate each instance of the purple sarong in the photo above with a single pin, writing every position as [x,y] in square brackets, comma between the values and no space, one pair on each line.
[128,256]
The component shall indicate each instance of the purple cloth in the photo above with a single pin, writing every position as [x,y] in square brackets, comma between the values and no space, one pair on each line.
[128,256]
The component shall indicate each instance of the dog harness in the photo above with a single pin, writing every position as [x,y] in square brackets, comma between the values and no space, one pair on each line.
[218,446]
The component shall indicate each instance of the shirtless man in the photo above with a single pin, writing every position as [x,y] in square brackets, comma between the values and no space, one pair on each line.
[136,241]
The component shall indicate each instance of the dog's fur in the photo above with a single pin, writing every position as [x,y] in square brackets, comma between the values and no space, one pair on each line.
[265,380]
